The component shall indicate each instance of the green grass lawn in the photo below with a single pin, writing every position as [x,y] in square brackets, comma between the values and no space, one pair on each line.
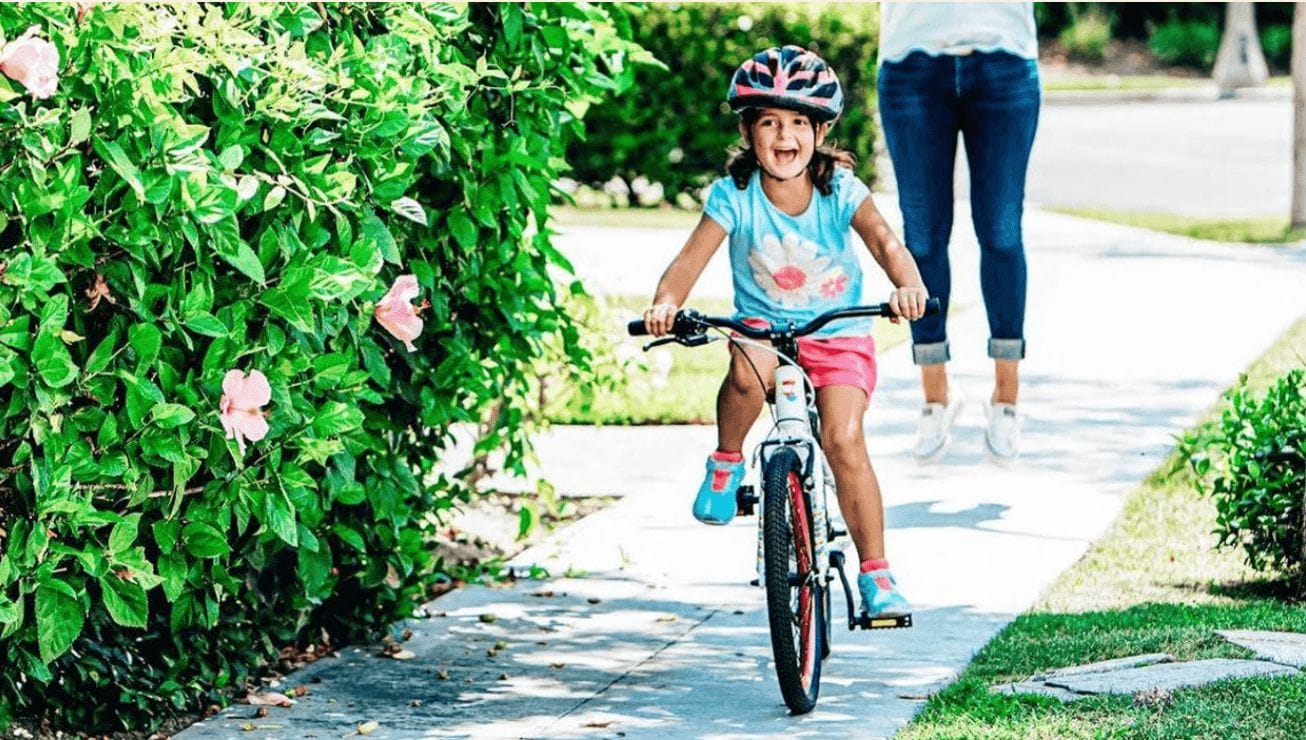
[686,394]
[1265,230]
[1153,583]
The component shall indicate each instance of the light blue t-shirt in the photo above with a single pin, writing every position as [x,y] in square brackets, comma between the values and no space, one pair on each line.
[793,267]
[956,28]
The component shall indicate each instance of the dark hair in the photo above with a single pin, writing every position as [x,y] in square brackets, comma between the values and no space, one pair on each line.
[743,162]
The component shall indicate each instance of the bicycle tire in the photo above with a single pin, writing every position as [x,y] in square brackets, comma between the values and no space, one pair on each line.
[794,610]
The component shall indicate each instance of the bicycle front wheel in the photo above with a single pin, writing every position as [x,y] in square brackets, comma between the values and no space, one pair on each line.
[794,599]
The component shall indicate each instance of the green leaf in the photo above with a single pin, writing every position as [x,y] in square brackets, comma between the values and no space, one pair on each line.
[234,251]
[146,340]
[335,418]
[123,534]
[79,127]
[52,361]
[59,618]
[171,415]
[125,601]
[280,517]
[120,163]
[203,541]
[165,534]
[464,231]
[374,230]
[206,324]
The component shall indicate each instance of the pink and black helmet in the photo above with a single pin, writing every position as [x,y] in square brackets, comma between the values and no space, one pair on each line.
[788,77]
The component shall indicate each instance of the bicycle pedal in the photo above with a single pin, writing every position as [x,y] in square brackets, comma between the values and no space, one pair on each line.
[883,623]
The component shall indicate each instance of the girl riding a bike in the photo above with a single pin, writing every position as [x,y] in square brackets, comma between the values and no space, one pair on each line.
[787,206]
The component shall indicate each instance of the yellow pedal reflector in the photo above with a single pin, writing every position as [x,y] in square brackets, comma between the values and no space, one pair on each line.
[884,623]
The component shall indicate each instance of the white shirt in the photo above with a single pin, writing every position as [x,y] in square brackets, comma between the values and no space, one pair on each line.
[956,28]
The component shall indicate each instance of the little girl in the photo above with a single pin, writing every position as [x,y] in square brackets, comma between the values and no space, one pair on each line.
[787,206]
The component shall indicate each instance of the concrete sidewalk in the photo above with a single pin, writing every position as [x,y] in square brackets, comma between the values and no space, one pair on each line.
[1132,334]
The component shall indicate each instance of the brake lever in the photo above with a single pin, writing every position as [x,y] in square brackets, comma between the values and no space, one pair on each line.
[660,342]
[693,340]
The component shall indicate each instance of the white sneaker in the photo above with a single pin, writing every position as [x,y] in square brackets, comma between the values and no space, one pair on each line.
[1003,433]
[934,428]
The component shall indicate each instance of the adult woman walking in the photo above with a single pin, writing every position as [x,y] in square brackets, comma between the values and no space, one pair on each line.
[968,69]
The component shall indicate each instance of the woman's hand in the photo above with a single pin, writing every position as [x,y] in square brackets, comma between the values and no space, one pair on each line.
[908,303]
[660,317]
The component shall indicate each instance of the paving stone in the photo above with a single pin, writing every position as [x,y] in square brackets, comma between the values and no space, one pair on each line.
[1286,648]
[1036,687]
[1133,661]
[1168,676]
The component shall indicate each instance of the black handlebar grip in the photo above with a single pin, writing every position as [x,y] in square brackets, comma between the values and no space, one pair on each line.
[637,328]
[931,306]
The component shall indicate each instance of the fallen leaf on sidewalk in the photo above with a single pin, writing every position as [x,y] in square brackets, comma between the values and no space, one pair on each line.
[594,600]
[403,655]
[503,677]
[443,674]
[543,594]
[367,728]
[269,700]
[667,618]
[300,691]
[489,618]
[558,665]
[599,725]
[247,727]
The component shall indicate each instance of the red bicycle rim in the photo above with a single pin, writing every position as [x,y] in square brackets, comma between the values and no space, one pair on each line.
[804,560]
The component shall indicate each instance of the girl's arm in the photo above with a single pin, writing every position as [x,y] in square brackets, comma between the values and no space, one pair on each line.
[909,298]
[681,275]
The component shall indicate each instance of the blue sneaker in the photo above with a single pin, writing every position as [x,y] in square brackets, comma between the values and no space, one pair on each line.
[880,597]
[715,503]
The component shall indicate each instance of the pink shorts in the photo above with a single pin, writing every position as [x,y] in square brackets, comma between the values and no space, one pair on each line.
[836,361]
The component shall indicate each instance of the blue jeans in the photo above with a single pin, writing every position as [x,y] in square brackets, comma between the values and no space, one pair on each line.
[992,99]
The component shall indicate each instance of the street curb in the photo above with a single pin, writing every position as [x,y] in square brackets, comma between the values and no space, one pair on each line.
[1204,94]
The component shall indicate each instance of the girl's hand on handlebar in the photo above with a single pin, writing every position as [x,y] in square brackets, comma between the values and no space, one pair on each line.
[908,303]
[660,318]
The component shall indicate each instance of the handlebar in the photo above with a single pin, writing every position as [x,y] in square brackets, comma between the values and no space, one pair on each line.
[690,322]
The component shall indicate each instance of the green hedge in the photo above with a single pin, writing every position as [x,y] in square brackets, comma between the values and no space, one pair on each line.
[1253,463]
[673,126]
[248,181]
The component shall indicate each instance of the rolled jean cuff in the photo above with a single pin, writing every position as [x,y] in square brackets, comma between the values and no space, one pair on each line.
[934,353]
[1007,349]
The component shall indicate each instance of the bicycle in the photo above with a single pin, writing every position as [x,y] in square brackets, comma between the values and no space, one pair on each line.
[798,548]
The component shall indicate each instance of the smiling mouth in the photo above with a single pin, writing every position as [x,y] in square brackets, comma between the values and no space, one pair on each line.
[785,156]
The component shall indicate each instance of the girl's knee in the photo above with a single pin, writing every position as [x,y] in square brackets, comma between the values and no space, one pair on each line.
[743,381]
[844,446]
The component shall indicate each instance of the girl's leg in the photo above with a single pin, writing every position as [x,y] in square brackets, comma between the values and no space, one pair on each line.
[1000,106]
[842,409]
[918,110]
[739,402]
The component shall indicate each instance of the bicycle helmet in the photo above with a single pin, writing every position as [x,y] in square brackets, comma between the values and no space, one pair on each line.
[788,77]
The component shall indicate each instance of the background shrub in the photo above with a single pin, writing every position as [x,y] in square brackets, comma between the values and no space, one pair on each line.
[1186,43]
[247,180]
[1253,463]
[673,127]
[1087,36]
[1276,42]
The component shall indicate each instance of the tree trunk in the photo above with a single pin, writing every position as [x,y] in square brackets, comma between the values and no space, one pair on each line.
[1298,216]
[1240,61]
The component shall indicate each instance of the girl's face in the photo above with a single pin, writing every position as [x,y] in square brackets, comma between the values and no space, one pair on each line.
[783,141]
